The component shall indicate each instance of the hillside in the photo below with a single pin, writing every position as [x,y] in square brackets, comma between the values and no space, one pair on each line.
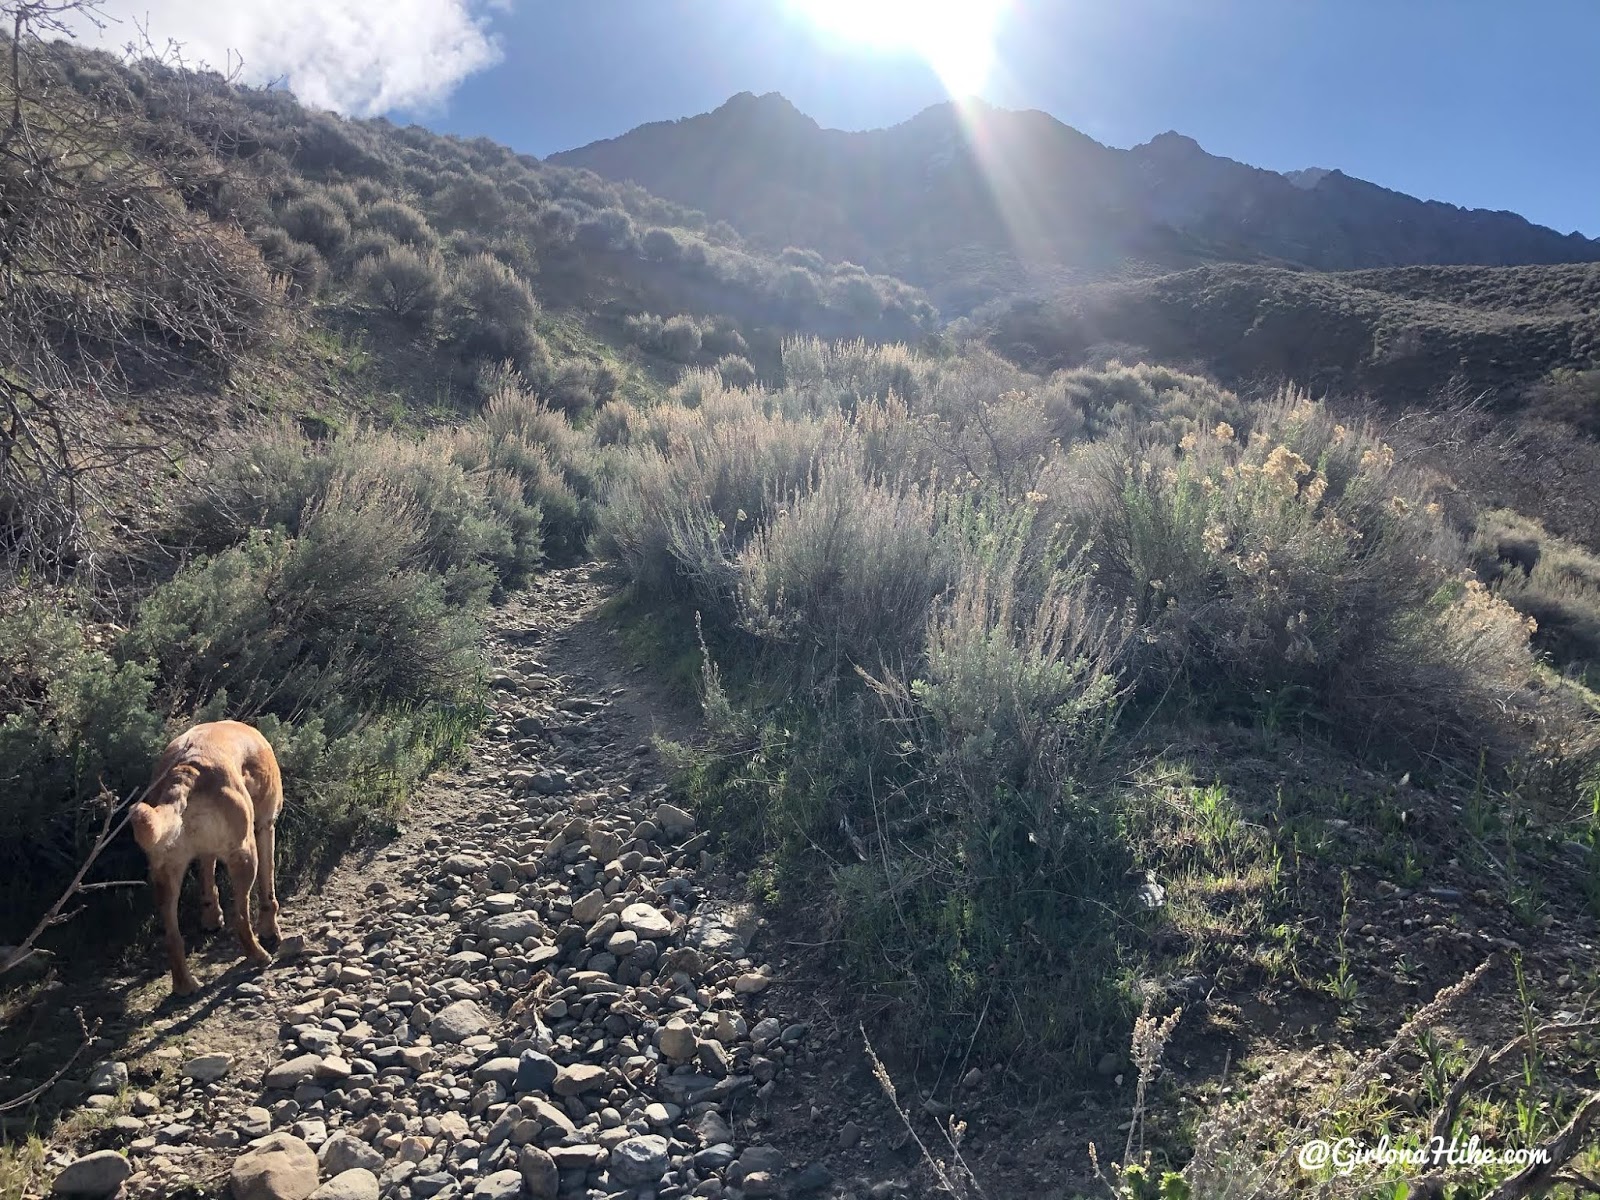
[1484,370]
[267,281]
[982,202]
[1397,333]
[741,738]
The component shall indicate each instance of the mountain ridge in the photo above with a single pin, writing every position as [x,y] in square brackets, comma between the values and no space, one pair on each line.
[975,201]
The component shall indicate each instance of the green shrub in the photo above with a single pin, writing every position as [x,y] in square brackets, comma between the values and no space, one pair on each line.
[541,457]
[569,386]
[317,221]
[72,718]
[736,372]
[840,573]
[674,517]
[610,229]
[477,533]
[334,621]
[957,782]
[857,296]
[404,282]
[722,339]
[403,223]
[679,338]
[490,313]
[661,245]
[1006,722]
[366,246]
[644,329]
[849,373]
[613,424]
[937,585]
[297,263]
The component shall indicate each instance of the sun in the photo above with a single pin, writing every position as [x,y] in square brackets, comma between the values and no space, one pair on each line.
[954,37]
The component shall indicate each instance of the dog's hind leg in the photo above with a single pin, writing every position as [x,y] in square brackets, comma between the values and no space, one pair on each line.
[266,847]
[242,874]
[166,880]
[210,903]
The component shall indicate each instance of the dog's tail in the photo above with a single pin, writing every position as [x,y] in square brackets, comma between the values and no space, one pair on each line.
[157,816]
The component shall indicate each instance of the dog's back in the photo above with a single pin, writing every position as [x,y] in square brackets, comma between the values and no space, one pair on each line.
[215,795]
[209,765]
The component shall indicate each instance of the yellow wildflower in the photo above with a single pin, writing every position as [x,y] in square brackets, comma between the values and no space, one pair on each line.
[1380,459]
[1284,468]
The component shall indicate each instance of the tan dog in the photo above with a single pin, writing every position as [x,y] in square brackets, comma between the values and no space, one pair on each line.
[216,794]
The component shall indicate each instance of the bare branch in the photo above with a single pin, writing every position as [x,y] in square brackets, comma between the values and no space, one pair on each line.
[32,1094]
[53,916]
[1552,1156]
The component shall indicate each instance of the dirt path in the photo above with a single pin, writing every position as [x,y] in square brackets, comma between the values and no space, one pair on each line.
[544,986]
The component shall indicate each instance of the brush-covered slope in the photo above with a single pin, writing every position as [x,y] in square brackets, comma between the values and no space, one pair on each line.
[1399,333]
[287,400]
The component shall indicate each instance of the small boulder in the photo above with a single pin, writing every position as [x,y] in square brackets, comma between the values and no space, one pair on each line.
[580,1078]
[279,1167]
[646,920]
[344,1152]
[587,907]
[293,1072]
[639,1160]
[535,1073]
[500,1070]
[502,1185]
[208,1068]
[677,1041]
[513,927]
[354,1184]
[673,820]
[108,1078]
[540,1175]
[97,1174]
[459,1021]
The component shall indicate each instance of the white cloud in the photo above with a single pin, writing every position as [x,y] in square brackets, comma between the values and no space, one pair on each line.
[356,56]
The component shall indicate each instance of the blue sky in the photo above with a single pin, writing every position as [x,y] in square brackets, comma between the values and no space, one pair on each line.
[1482,103]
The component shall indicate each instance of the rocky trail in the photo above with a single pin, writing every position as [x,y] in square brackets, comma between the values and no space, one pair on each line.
[543,988]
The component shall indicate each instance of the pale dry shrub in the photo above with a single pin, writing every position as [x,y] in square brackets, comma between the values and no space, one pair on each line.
[1306,572]
[518,436]
[674,518]
[841,573]
[843,374]
[1550,579]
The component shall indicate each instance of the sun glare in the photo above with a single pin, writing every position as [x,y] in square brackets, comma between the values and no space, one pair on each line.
[955,37]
